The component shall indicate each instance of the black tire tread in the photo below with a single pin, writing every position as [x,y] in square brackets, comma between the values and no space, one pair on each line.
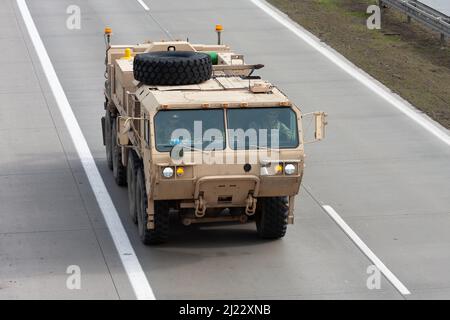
[271,219]
[172,67]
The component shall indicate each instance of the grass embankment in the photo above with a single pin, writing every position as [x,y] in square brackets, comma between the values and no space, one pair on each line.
[407,58]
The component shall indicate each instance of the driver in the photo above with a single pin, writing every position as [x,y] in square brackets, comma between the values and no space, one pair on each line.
[271,122]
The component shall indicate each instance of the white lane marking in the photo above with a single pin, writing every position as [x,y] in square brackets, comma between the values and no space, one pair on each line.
[142,3]
[357,73]
[126,252]
[366,250]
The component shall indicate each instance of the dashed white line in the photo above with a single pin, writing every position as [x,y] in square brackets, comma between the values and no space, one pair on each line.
[380,90]
[366,250]
[142,3]
[136,275]
[356,73]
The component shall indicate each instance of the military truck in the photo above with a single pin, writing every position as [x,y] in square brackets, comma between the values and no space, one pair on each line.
[191,131]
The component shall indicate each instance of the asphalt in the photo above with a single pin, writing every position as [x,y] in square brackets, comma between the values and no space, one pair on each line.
[386,176]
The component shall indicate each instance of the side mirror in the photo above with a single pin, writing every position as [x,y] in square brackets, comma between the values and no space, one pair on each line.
[123,127]
[320,119]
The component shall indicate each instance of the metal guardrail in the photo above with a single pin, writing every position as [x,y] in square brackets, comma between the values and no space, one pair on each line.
[416,10]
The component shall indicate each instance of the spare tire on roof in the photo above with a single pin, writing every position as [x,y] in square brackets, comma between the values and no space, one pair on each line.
[172,67]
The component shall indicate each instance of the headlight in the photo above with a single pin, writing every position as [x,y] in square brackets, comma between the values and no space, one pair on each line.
[167,172]
[289,169]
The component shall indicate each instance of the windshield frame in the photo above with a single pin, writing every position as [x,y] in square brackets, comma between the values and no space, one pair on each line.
[224,134]
[297,135]
[227,142]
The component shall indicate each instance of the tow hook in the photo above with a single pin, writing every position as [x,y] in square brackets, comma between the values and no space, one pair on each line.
[200,207]
[250,209]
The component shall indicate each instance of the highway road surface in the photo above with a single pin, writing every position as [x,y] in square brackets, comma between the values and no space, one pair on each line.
[383,172]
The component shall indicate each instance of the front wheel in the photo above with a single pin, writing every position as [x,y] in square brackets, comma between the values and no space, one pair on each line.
[160,233]
[271,217]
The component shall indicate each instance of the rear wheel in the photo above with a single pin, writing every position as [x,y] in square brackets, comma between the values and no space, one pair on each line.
[108,139]
[132,169]
[119,171]
[160,233]
[271,217]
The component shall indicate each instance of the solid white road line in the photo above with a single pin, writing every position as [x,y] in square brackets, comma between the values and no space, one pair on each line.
[366,250]
[142,3]
[126,252]
[356,73]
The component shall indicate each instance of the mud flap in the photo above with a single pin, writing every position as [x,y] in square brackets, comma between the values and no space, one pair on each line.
[150,214]
[103,130]
[290,219]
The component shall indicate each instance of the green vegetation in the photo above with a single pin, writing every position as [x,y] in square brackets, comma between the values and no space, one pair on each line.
[408,58]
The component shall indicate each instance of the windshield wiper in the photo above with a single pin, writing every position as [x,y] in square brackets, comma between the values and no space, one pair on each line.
[183,147]
[192,148]
[169,146]
[258,147]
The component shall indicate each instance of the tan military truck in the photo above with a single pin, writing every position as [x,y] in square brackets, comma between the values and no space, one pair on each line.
[191,131]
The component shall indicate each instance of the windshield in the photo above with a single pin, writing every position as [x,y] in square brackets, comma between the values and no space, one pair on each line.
[255,128]
[196,129]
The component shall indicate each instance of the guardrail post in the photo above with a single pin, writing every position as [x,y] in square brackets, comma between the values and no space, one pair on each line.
[381,6]
[417,11]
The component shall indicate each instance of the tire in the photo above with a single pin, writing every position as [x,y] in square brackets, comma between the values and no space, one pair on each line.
[271,217]
[119,171]
[172,67]
[134,165]
[160,233]
[108,139]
